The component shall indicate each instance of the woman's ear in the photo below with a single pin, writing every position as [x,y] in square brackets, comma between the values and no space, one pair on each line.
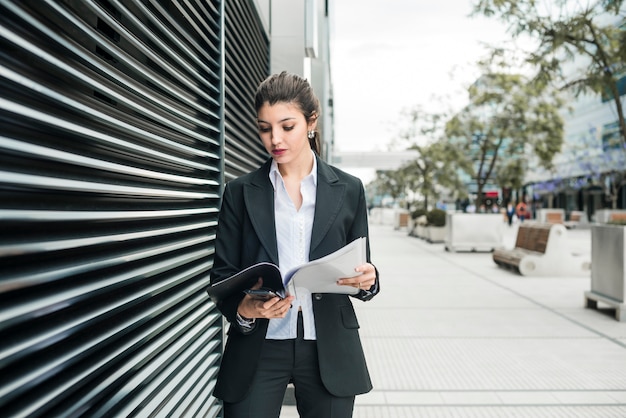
[312,122]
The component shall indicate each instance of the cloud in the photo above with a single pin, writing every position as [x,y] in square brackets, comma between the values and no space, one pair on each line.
[395,54]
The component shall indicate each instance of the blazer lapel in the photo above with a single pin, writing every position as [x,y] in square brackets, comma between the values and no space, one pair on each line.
[329,200]
[259,200]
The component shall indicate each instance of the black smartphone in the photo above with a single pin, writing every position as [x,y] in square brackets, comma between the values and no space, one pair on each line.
[262,293]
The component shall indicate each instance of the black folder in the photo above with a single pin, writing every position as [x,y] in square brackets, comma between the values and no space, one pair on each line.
[247,278]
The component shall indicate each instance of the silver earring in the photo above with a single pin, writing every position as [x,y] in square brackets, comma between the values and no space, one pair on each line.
[310,134]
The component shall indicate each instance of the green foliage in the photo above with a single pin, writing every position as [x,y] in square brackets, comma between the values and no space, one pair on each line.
[437,166]
[618,222]
[510,174]
[565,32]
[390,182]
[589,35]
[436,217]
[417,213]
[508,116]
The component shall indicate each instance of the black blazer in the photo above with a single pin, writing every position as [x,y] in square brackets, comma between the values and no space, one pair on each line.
[246,235]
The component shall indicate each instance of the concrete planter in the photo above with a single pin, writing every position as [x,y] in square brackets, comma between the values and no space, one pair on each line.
[473,231]
[435,234]
[420,231]
[401,219]
[418,228]
[608,268]
[603,216]
[411,226]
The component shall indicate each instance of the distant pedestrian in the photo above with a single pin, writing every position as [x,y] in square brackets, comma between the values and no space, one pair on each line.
[521,210]
[510,211]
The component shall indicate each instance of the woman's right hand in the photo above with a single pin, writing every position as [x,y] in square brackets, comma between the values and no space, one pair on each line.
[251,307]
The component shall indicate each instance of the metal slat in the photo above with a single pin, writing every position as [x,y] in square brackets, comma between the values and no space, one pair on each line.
[111,162]
[166,106]
[184,86]
[36,152]
[29,342]
[89,59]
[244,38]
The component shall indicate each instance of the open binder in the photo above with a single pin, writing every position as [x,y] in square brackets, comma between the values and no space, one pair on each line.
[318,276]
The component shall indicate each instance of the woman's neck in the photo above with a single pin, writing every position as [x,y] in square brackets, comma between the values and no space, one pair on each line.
[298,169]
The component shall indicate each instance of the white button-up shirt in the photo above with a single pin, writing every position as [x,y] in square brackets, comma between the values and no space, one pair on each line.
[293,234]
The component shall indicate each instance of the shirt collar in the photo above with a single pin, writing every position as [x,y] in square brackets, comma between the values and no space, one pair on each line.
[275,174]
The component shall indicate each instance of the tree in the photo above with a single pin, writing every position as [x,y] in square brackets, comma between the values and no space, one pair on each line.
[437,166]
[507,117]
[389,182]
[433,171]
[568,32]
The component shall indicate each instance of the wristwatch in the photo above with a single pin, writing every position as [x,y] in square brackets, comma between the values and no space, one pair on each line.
[246,323]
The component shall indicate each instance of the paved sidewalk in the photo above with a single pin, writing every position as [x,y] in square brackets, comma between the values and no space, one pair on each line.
[453,335]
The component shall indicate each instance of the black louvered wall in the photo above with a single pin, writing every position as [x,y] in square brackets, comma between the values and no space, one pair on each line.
[111,166]
[247,64]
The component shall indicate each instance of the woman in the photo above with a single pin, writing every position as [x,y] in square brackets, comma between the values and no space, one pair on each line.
[293,209]
[521,210]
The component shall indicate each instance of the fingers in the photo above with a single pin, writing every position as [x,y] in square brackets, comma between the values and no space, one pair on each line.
[271,308]
[276,307]
[364,281]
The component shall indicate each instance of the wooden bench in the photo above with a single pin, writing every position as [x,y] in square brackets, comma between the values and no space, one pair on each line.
[577,218]
[541,250]
[532,238]
[554,218]
[617,216]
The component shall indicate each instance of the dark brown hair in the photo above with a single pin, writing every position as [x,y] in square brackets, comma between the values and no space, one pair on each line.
[290,88]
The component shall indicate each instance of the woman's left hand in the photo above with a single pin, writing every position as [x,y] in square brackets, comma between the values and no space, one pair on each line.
[364,281]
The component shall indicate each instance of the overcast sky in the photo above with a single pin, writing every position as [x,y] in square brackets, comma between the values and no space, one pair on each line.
[389,55]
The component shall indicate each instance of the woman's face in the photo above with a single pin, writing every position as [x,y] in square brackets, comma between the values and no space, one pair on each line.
[283,130]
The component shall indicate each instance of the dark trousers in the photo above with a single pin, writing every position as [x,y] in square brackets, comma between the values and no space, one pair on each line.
[283,361]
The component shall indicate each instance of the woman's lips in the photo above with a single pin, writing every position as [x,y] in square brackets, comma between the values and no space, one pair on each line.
[278,152]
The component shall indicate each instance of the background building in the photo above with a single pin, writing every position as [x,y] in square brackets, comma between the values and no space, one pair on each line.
[590,162]
[590,169]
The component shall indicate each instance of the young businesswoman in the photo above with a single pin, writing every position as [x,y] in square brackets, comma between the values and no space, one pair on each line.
[293,209]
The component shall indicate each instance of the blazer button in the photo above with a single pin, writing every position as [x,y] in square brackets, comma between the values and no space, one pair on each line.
[318,296]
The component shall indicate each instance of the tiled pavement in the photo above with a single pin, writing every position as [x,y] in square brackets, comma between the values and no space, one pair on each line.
[453,335]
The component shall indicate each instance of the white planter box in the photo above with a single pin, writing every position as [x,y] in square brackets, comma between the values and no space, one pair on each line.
[604,215]
[473,231]
[401,219]
[608,268]
[420,231]
[435,234]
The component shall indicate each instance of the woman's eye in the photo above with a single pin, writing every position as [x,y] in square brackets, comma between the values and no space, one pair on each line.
[288,128]
[264,130]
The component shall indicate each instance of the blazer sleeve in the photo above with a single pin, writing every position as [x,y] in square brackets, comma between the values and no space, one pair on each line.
[360,229]
[227,259]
